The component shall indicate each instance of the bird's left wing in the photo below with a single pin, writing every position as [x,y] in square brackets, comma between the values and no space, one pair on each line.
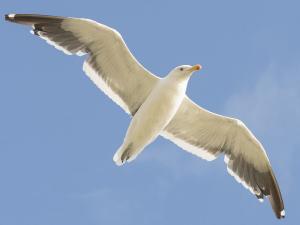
[110,64]
[206,135]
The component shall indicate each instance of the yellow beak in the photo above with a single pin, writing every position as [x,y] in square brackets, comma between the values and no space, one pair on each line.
[195,68]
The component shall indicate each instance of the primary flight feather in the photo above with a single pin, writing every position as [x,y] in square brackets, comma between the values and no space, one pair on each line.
[159,106]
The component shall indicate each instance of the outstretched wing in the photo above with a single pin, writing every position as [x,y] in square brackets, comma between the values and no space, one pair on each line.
[110,64]
[112,67]
[206,135]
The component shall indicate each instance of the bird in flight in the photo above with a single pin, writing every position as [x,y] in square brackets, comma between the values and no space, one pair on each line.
[158,106]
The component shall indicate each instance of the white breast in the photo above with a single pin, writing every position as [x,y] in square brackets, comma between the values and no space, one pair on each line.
[155,113]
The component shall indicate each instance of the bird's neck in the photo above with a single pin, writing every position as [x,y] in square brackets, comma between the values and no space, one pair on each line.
[175,83]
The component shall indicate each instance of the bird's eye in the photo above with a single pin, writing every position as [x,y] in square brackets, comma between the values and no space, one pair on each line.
[181,69]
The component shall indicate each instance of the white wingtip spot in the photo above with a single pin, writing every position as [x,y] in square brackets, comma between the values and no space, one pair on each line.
[11,16]
[282,213]
[261,200]
[31,31]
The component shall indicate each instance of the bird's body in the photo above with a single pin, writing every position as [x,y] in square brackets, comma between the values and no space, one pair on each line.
[158,106]
[152,117]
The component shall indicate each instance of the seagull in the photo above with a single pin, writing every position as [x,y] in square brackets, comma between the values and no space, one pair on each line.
[158,106]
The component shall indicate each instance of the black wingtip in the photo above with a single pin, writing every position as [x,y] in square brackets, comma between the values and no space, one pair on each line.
[281,214]
[9,17]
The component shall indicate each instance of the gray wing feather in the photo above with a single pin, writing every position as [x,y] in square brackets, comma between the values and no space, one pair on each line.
[110,64]
[208,135]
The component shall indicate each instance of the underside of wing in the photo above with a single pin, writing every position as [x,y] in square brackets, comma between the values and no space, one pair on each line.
[112,67]
[110,64]
[207,135]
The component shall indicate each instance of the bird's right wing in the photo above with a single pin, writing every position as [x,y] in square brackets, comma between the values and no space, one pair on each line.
[110,64]
[207,134]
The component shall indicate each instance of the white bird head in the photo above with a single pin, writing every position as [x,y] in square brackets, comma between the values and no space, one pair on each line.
[184,71]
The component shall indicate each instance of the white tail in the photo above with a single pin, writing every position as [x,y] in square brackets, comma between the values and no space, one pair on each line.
[125,153]
[117,156]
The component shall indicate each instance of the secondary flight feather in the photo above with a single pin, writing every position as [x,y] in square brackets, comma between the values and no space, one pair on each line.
[158,106]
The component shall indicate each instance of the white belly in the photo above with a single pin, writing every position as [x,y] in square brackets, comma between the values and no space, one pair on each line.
[154,114]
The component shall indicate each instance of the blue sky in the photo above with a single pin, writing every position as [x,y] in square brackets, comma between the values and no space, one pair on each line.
[58,132]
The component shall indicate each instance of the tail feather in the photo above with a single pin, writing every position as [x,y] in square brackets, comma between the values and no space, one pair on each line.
[117,158]
[123,154]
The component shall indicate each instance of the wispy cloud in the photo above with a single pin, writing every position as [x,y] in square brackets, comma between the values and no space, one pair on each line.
[124,204]
[106,207]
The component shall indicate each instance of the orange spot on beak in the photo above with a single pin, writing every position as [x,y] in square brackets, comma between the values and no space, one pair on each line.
[195,68]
